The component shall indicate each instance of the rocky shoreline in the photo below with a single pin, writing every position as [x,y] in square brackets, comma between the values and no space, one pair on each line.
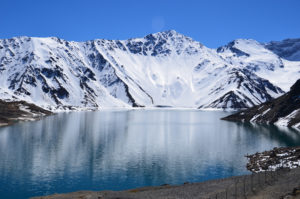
[277,158]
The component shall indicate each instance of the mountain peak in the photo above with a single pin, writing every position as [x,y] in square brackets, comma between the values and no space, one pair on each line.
[169,34]
[242,42]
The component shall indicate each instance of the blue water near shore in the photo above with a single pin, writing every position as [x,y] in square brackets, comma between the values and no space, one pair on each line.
[116,150]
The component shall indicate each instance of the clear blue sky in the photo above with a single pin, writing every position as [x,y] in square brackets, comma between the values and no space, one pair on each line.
[212,22]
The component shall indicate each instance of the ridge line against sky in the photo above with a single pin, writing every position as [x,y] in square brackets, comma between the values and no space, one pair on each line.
[213,23]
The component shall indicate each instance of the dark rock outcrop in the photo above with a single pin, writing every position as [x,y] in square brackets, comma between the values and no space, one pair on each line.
[286,106]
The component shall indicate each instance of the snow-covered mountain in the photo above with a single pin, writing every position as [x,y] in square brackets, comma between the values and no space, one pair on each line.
[161,69]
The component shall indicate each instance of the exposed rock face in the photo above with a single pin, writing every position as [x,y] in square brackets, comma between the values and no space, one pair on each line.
[11,112]
[284,110]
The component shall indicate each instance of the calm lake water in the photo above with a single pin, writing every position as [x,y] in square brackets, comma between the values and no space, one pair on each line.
[115,150]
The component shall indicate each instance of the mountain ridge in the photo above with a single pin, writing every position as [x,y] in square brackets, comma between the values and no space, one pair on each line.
[160,69]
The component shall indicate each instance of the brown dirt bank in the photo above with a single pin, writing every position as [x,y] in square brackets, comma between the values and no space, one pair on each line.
[269,185]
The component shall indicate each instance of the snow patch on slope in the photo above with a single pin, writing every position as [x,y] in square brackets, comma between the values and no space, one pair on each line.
[284,121]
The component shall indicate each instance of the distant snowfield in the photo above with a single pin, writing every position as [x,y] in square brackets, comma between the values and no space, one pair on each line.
[165,69]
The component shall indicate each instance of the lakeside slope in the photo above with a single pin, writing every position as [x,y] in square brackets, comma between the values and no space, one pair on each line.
[11,112]
[282,111]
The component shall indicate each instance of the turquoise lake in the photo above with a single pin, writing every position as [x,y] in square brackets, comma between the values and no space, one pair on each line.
[117,150]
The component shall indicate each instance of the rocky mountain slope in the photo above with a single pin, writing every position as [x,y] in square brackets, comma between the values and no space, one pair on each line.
[161,69]
[283,111]
[288,49]
[11,112]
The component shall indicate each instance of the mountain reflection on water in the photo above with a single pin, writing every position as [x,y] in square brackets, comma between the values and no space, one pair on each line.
[126,149]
